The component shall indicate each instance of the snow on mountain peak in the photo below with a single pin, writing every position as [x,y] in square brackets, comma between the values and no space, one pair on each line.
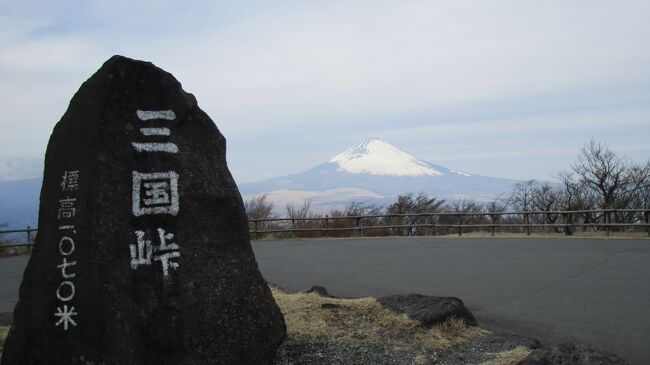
[377,157]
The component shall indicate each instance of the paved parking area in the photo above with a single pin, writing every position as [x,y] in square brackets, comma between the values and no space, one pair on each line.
[594,291]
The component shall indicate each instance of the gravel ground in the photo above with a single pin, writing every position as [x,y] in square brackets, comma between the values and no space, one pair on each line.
[306,351]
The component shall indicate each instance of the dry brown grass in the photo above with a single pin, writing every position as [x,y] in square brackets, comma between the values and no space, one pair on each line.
[364,320]
[4,330]
[616,235]
[509,357]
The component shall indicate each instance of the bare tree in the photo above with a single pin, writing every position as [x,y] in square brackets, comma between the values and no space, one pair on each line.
[602,171]
[638,193]
[547,197]
[615,182]
[413,204]
[361,209]
[303,211]
[521,197]
[259,207]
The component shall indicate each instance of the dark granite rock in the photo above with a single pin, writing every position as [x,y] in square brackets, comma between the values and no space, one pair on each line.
[6,318]
[428,310]
[143,253]
[319,290]
[571,354]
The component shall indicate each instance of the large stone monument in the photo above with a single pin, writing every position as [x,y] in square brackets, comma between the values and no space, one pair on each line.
[143,253]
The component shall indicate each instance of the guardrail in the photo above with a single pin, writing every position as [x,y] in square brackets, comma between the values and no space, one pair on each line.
[29,236]
[566,221]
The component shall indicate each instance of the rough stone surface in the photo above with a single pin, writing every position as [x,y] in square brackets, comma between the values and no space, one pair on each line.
[319,290]
[428,310]
[121,276]
[571,354]
[6,318]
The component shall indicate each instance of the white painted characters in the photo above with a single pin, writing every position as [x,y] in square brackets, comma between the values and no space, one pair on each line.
[67,208]
[67,215]
[143,251]
[66,291]
[155,193]
[145,115]
[70,181]
[65,316]
[157,146]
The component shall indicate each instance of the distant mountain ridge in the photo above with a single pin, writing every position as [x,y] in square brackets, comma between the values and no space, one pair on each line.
[376,171]
[373,171]
[19,203]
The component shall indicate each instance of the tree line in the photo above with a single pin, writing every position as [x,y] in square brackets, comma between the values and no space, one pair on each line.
[598,180]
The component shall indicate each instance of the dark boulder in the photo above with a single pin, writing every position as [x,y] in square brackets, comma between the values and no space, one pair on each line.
[143,253]
[428,310]
[571,354]
[319,290]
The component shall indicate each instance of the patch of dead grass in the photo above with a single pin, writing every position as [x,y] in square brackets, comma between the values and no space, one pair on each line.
[364,320]
[510,357]
[4,331]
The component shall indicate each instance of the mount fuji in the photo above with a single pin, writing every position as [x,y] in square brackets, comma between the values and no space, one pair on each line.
[376,172]
[372,171]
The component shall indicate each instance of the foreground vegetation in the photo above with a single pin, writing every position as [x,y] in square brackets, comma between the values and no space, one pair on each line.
[346,330]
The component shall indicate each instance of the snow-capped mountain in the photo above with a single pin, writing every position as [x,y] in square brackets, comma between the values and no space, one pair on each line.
[376,157]
[375,171]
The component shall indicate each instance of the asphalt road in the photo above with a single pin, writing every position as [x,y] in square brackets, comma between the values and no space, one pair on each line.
[593,291]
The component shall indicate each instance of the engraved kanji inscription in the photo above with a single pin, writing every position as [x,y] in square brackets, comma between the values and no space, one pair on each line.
[155,193]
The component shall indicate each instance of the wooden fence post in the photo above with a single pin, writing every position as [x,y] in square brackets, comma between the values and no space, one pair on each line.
[494,222]
[293,227]
[29,234]
[326,225]
[426,228]
[460,225]
[256,234]
[566,226]
[527,219]
[359,230]
[434,219]
[647,221]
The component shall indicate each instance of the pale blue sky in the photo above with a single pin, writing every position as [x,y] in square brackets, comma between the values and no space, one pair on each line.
[501,88]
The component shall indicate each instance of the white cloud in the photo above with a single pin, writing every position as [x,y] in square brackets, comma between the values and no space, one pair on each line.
[323,75]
